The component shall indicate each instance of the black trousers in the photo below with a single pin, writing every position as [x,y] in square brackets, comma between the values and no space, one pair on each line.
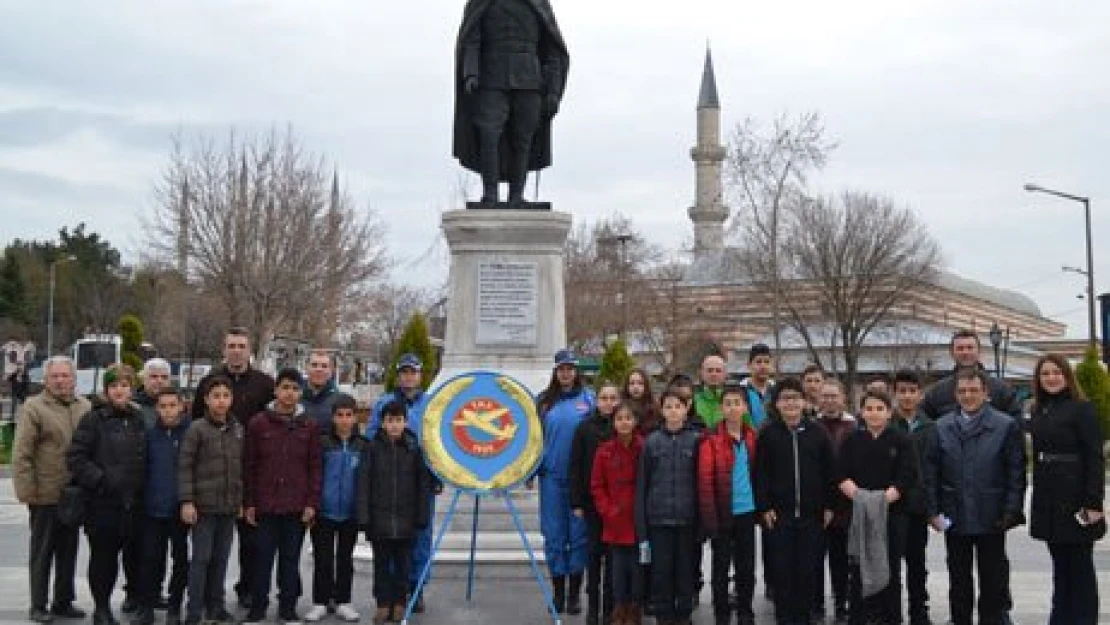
[884,606]
[112,533]
[160,535]
[794,550]
[280,535]
[734,549]
[835,549]
[245,533]
[599,573]
[1074,585]
[333,568]
[53,545]
[627,578]
[987,552]
[392,565]
[917,573]
[672,570]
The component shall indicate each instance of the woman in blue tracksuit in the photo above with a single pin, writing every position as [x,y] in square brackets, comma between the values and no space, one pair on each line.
[562,406]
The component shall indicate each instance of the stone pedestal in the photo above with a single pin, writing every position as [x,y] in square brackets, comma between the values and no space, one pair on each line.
[505,306]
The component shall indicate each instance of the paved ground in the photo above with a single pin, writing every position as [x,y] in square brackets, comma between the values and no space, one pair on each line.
[499,601]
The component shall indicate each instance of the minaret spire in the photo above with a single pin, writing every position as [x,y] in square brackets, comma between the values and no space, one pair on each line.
[709,212]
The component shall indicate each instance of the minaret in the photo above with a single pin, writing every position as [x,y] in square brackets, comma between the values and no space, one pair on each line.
[709,212]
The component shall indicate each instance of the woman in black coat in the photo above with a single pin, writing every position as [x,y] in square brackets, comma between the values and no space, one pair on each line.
[1068,485]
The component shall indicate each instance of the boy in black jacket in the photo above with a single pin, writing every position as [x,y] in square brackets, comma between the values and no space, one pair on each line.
[794,482]
[922,429]
[394,485]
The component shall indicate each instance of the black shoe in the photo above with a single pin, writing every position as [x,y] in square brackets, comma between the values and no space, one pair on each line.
[161,603]
[840,615]
[173,617]
[67,611]
[574,594]
[245,601]
[574,604]
[722,618]
[104,617]
[220,615]
[192,620]
[254,616]
[39,615]
[559,588]
[143,616]
[130,604]
[288,616]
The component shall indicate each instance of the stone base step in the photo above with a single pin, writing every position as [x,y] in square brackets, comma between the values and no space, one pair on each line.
[498,555]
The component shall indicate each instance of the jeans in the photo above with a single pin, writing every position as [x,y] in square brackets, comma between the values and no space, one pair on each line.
[988,551]
[158,533]
[333,545]
[627,578]
[247,558]
[672,572]
[836,550]
[917,542]
[1074,585]
[280,535]
[112,532]
[211,537]
[794,550]
[52,544]
[599,573]
[735,550]
[392,559]
[884,606]
[566,538]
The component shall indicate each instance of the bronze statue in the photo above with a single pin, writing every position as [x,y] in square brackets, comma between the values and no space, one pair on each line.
[510,70]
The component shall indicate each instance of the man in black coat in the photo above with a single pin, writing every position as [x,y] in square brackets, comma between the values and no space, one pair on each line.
[510,71]
[940,398]
[974,480]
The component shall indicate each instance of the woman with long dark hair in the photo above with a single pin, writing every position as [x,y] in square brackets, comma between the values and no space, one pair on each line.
[637,395]
[1068,483]
[566,541]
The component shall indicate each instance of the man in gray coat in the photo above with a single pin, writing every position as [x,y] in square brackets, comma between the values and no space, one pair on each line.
[974,480]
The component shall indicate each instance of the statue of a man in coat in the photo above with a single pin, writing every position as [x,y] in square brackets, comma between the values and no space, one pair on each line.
[510,70]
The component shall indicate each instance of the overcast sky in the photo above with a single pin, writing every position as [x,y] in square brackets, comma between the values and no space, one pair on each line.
[947,106]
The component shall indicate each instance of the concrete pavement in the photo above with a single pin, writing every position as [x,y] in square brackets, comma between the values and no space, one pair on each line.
[517,601]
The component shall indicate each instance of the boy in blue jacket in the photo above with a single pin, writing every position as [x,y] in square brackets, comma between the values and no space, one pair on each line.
[336,528]
[163,525]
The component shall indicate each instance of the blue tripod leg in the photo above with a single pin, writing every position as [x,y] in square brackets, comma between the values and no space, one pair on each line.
[548,597]
[428,565]
[473,546]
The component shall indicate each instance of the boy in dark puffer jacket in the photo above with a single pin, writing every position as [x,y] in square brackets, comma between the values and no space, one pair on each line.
[392,504]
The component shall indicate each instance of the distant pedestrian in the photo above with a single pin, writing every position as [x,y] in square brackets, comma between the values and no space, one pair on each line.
[20,384]
[39,472]
[210,486]
[1068,484]
[107,457]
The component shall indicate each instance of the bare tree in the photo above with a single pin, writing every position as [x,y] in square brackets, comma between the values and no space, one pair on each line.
[607,272]
[849,261]
[260,225]
[384,314]
[768,169]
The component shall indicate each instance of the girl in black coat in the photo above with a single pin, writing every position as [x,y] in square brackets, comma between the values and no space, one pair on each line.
[107,458]
[1068,485]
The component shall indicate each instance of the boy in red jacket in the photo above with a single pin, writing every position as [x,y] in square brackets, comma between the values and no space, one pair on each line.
[613,486]
[282,481]
[727,504]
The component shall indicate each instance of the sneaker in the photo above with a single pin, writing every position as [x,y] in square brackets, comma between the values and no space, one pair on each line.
[315,613]
[346,613]
[67,611]
[220,615]
[289,617]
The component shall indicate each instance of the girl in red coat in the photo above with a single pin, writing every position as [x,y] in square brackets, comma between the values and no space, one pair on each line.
[613,486]
[727,504]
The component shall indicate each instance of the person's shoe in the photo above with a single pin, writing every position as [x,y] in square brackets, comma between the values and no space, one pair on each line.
[315,613]
[130,604]
[191,620]
[67,611]
[220,615]
[245,600]
[39,615]
[635,614]
[346,612]
[255,616]
[574,594]
[419,607]
[161,603]
[840,614]
[382,614]
[722,618]
[288,616]
[559,590]
[397,613]
[143,616]
[1006,620]
[745,619]
[104,617]
[173,617]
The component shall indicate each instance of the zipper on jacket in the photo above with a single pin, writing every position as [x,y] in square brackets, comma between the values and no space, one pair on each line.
[797,476]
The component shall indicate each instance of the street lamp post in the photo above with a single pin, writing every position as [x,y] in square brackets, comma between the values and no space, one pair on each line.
[996,342]
[1086,202]
[50,304]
